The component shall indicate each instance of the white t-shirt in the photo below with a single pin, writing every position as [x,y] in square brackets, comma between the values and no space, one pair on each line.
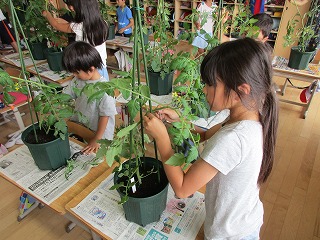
[77,29]
[233,206]
[2,17]
[206,12]
[94,109]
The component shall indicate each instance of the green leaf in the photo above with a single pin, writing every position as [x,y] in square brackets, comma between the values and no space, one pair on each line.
[8,99]
[176,160]
[101,152]
[122,73]
[182,78]
[126,130]
[192,154]
[61,126]
[111,153]
[65,113]
[51,120]
[133,108]
[46,108]
[144,90]
[124,199]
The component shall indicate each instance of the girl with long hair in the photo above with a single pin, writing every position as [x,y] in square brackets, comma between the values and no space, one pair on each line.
[88,26]
[238,155]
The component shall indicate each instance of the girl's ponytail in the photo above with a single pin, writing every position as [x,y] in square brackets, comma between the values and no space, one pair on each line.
[269,121]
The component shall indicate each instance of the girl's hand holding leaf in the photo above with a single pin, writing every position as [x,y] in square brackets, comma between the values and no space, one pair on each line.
[168,115]
[155,127]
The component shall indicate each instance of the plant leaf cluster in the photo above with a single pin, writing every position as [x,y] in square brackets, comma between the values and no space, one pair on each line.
[130,141]
[160,52]
[238,24]
[51,107]
[38,29]
[302,34]
[108,12]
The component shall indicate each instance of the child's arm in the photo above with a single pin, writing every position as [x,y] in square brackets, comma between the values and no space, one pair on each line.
[206,134]
[183,184]
[93,146]
[57,23]
[172,116]
[128,26]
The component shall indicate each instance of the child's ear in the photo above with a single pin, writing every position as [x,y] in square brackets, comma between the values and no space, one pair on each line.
[265,39]
[245,88]
[92,68]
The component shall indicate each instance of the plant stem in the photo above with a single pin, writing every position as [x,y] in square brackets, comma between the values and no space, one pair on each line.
[15,20]
[138,20]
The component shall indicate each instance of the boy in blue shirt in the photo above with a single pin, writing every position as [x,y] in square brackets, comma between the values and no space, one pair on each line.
[125,19]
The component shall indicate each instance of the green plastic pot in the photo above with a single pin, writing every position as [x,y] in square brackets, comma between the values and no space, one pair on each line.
[147,209]
[159,86]
[54,59]
[146,36]
[299,60]
[50,155]
[111,32]
[37,50]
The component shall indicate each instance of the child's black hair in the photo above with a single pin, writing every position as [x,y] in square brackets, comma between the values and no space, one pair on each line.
[81,56]
[264,22]
[247,61]
[87,12]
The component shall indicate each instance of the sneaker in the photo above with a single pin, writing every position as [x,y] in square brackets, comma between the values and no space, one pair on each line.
[12,141]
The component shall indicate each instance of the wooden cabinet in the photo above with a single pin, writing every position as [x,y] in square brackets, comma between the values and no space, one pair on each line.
[281,15]
[183,9]
[151,6]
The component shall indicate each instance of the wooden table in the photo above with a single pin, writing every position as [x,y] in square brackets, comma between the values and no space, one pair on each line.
[13,59]
[62,78]
[120,43]
[311,74]
[75,201]
[59,204]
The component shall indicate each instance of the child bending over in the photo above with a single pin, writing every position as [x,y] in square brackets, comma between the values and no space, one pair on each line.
[83,60]
[238,156]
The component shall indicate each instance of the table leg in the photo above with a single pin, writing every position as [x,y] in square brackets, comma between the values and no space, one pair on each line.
[284,87]
[95,236]
[314,88]
[71,226]
[19,120]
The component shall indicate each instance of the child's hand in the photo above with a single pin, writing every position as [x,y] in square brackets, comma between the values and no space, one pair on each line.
[45,13]
[92,146]
[154,127]
[225,15]
[168,115]
[121,30]
[198,25]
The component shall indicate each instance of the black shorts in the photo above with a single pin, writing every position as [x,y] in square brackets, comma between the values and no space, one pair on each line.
[6,32]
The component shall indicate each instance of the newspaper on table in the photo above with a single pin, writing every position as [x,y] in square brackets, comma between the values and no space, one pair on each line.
[15,59]
[182,218]
[45,185]
[45,71]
